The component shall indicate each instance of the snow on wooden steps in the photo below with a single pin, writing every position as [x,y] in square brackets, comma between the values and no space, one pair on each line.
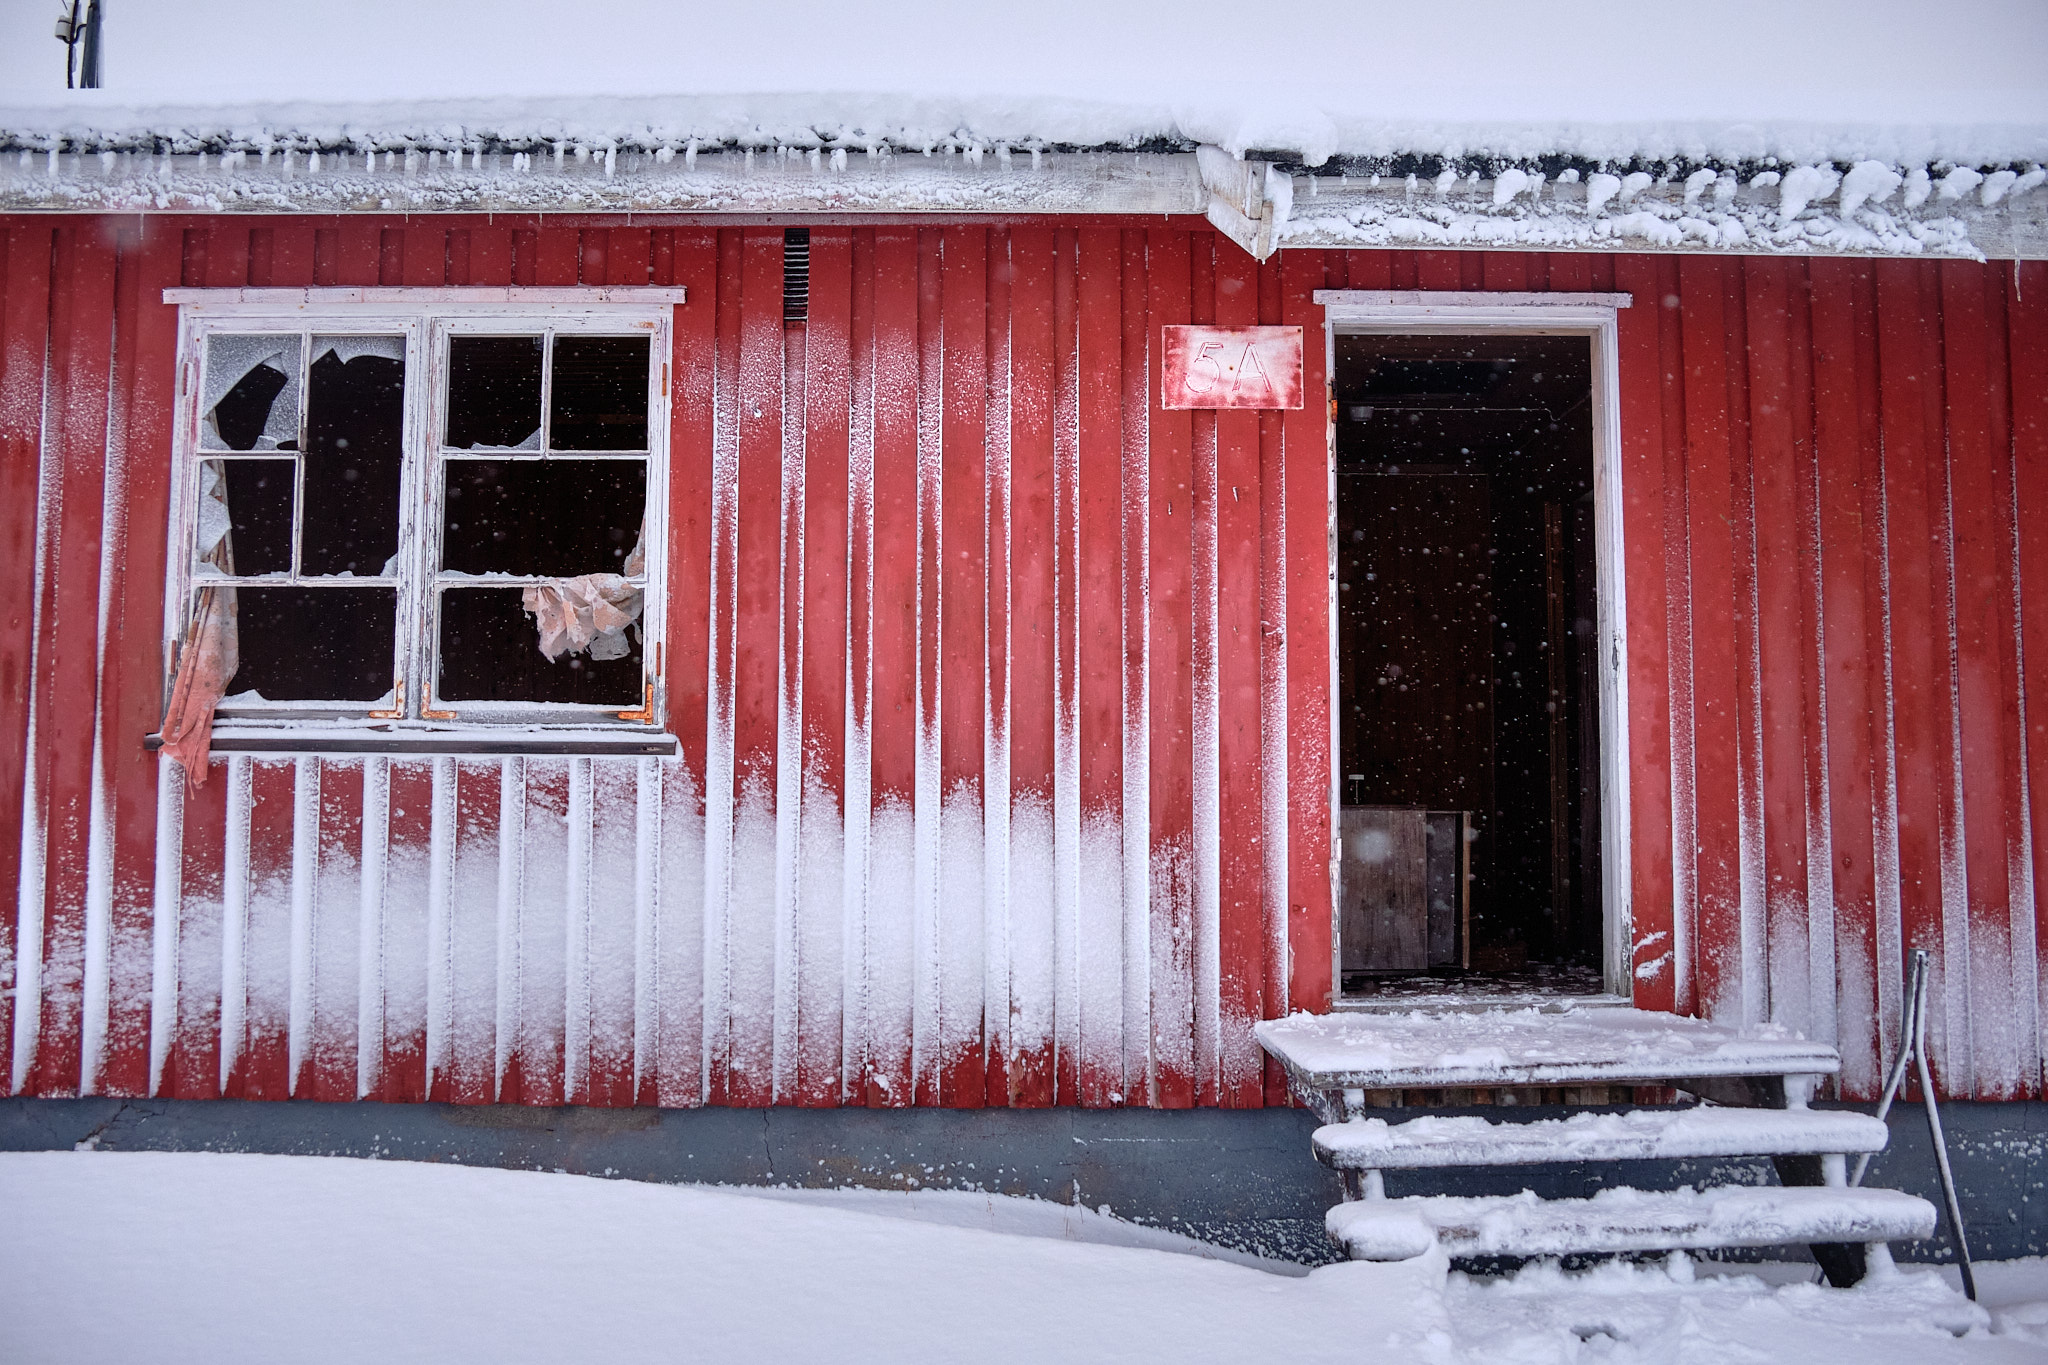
[1425,1051]
[1626,1220]
[1640,1135]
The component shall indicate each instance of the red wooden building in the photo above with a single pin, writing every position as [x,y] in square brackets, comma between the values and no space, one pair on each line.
[987,727]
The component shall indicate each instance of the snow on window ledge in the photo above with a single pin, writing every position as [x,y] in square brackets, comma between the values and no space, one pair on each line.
[415,738]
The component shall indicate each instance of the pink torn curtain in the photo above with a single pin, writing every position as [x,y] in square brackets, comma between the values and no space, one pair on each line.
[210,653]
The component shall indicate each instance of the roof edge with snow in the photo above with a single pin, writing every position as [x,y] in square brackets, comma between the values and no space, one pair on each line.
[1794,188]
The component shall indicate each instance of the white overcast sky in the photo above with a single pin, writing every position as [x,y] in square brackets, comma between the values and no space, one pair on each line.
[1836,61]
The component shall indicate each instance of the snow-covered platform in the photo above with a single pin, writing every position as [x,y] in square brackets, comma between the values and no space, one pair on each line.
[1326,1056]
[1640,1135]
[1335,1062]
[1627,1220]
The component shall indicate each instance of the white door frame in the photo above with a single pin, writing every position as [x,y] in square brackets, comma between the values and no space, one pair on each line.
[1445,313]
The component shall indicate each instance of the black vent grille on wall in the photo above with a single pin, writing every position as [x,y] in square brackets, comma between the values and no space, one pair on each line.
[796,274]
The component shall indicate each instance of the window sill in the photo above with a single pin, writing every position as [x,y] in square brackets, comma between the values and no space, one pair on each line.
[414,738]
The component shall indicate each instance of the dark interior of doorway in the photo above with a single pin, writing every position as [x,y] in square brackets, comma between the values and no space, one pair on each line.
[1467,648]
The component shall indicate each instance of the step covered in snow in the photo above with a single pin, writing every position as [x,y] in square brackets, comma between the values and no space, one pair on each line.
[1528,1047]
[1639,1135]
[1626,1220]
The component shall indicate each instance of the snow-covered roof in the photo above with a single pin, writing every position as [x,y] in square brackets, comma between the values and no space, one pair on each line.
[606,160]
[1878,125]
[1614,81]
[1309,137]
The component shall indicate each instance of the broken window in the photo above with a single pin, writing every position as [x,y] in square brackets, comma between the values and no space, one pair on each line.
[559,512]
[361,545]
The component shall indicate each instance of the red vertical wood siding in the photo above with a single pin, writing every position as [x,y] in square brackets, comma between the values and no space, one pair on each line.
[1003,696]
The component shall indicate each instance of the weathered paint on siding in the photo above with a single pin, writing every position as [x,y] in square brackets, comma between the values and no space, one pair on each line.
[1003,693]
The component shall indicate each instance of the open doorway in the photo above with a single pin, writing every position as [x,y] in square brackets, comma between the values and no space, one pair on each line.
[1467,664]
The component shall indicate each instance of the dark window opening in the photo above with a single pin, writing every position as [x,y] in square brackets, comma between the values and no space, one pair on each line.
[600,394]
[1467,660]
[488,654]
[314,644]
[244,410]
[494,387]
[259,523]
[355,450]
[556,516]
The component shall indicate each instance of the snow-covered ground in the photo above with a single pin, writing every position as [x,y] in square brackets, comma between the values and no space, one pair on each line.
[219,1258]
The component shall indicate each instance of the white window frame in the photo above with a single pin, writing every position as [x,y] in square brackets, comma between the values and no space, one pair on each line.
[427,318]
[1593,316]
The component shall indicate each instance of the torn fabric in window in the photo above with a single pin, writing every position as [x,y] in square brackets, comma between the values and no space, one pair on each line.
[207,658]
[488,654]
[589,612]
[209,655]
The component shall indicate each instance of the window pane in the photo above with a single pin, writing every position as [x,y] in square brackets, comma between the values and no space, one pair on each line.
[600,394]
[251,396]
[494,393]
[355,417]
[314,644]
[490,651]
[245,516]
[555,517]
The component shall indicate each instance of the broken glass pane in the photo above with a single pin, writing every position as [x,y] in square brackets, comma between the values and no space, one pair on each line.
[494,393]
[251,397]
[600,394]
[314,644]
[490,651]
[245,516]
[355,417]
[555,517]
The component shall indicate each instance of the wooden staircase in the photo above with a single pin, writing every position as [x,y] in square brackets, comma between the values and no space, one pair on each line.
[1754,1087]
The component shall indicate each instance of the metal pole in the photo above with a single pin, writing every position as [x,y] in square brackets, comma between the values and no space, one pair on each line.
[89,73]
[1956,1233]
[1909,1017]
[1913,1049]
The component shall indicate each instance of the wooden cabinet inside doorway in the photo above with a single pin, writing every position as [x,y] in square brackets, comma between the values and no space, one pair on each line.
[1407,904]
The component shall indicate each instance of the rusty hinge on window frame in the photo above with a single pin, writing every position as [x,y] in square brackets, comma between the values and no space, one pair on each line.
[397,711]
[646,711]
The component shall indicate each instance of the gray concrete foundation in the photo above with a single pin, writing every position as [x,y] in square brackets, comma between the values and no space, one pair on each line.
[1238,1178]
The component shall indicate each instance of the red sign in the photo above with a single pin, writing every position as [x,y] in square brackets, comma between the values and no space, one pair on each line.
[1230,367]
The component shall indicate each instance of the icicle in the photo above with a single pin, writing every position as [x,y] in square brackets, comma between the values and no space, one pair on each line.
[690,155]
